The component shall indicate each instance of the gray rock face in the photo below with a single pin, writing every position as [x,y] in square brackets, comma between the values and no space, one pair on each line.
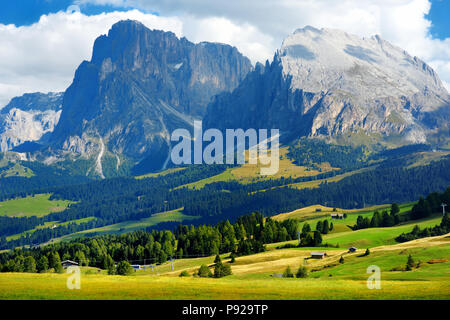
[139,86]
[28,118]
[327,83]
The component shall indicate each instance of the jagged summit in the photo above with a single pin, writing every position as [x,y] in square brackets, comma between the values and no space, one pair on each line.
[28,118]
[326,82]
[139,86]
[36,101]
[369,68]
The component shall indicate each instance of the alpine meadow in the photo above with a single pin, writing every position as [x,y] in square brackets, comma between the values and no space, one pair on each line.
[188,157]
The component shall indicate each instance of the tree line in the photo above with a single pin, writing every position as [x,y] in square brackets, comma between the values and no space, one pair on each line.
[424,208]
[247,236]
[123,199]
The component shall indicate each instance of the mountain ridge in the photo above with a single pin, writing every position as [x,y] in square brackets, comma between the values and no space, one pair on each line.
[327,83]
[29,118]
[140,85]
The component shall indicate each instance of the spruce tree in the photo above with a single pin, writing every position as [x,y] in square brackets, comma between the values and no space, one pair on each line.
[124,268]
[204,271]
[319,226]
[306,228]
[317,238]
[42,265]
[302,272]
[29,265]
[409,263]
[288,273]
[325,227]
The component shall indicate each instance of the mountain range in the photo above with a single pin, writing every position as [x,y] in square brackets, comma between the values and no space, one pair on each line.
[29,118]
[327,83]
[142,84]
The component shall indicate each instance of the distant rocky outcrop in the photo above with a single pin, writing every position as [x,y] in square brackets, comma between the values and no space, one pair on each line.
[28,118]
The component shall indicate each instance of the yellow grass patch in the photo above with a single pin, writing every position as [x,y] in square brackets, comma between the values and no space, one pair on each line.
[433,261]
[250,172]
[317,211]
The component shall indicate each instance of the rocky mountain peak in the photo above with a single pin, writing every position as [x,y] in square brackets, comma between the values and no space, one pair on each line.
[329,83]
[330,60]
[139,86]
[36,101]
[29,118]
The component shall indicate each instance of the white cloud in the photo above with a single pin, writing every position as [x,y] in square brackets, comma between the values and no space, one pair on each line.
[247,38]
[44,56]
[402,22]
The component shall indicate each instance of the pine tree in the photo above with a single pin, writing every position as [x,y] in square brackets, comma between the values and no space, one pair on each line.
[81,258]
[341,260]
[204,271]
[42,265]
[306,228]
[319,226]
[288,273]
[29,264]
[302,272]
[124,268]
[54,262]
[325,227]
[221,270]
[317,238]
[395,208]
[409,263]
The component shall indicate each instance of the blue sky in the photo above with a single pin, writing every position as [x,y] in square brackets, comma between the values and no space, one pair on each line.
[440,17]
[26,12]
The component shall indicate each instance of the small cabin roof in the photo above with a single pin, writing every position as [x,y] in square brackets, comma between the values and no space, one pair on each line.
[69,261]
[318,253]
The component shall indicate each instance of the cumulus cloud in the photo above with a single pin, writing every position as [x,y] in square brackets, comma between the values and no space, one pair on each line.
[44,56]
[402,22]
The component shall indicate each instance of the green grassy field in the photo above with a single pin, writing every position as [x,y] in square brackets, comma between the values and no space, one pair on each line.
[252,279]
[374,236]
[38,205]
[48,224]
[252,275]
[53,287]
[249,173]
[17,171]
[159,174]
[311,216]
[129,226]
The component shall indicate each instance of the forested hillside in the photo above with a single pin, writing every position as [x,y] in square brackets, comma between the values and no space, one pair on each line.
[123,199]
